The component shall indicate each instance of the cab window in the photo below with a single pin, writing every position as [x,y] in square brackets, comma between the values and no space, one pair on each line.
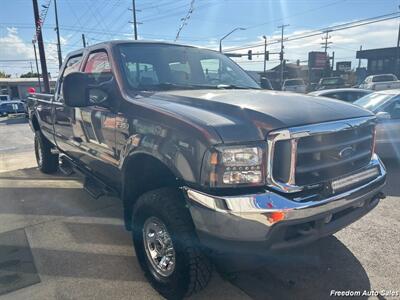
[98,67]
[72,65]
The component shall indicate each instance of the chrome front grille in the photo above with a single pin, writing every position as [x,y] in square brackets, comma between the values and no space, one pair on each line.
[327,156]
[309,155]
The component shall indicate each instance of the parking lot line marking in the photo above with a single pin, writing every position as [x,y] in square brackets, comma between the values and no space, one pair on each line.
[33,183]
[8,148]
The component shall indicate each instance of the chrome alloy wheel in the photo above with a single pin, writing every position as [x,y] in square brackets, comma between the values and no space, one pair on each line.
[159,248]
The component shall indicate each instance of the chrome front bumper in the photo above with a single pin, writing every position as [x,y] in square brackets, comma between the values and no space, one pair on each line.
[252,217]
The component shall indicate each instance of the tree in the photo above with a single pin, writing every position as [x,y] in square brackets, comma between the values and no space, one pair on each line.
[4,75]
[29,75]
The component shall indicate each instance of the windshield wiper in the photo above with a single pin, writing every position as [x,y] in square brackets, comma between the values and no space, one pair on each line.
[170,86]
[235,87]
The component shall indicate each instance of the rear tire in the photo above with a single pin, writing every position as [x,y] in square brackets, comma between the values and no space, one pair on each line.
[47,161]
[191,270]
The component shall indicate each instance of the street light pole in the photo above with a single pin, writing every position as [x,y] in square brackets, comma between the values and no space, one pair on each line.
[228,34]
[265,53]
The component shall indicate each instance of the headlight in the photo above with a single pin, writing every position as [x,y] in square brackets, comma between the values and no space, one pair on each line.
[235,165]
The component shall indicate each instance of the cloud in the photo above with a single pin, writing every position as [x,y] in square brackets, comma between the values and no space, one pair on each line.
[13,47]
[15,53]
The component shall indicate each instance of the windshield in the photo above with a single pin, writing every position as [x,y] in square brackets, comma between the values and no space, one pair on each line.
[382,78]
[2,98]
[164,67]
[294,82]
[331,81]
[373,101]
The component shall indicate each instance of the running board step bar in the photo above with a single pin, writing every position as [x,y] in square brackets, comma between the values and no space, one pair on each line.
[92,184]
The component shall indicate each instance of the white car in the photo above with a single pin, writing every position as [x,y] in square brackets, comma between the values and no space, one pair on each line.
[294,85]
[380,82]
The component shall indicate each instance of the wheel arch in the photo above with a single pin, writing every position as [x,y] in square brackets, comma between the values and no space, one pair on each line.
[34,122]
[141,173]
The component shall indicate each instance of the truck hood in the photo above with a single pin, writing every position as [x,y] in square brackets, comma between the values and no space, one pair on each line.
[248,115]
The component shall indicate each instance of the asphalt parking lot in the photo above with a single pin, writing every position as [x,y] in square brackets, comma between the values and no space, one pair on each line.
[56,242]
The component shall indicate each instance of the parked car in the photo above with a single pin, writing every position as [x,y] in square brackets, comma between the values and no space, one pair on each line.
[8,108]
[330,83]
[380,82]
[202,157]
[386,106]
[4,98]
[345,94]
[294,85]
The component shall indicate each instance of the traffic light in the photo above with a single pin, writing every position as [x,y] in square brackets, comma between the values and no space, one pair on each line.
[267,55]
[250,55]
[281,55]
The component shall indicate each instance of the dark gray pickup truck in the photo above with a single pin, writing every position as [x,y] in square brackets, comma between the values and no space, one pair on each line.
[203,159]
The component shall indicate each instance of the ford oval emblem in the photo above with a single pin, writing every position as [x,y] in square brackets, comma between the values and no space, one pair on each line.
[346,152]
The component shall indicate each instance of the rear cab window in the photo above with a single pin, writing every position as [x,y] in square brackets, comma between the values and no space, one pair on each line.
[383,78]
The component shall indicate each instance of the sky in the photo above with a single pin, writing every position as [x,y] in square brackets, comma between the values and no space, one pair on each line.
[102,20]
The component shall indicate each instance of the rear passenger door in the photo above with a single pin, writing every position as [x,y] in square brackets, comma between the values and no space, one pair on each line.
[65,126]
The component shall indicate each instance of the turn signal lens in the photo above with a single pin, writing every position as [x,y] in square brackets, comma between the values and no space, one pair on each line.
[275,217]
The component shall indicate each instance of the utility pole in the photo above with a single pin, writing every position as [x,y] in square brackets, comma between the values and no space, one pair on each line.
[326,42]
[42,55]
[359,60]
[282,27]
[325,46]
[333,60]
[83,40]
[37,65]
[265,53]
[58,36]
[398,51]
[134,18]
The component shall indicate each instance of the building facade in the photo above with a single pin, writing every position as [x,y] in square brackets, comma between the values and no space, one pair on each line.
[17,88]
[381,61]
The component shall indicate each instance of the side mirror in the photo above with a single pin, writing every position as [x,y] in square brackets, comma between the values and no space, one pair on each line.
[75,89]
[382,116]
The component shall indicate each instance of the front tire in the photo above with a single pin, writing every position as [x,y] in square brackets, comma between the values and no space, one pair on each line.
[47,161]
[167,246]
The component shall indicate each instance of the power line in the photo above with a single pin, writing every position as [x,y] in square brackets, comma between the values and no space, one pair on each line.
[331,29]
[185,19]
